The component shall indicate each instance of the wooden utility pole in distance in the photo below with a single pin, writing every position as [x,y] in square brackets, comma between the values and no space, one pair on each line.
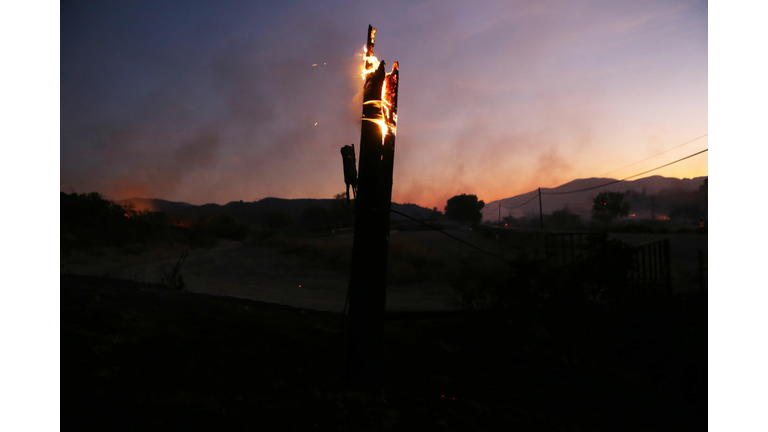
[541,214]
[499,234]
[368,279]
[541,225]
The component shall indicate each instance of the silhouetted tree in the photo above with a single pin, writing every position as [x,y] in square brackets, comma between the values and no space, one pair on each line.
[609,206]
[88,220]
[93,219]
[465,208]
[637,200]
[342,212]
[563,218]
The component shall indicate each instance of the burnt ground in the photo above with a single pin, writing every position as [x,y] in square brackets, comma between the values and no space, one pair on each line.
[136,357]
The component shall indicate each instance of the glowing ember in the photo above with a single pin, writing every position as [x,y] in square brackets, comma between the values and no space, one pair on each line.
[386,117]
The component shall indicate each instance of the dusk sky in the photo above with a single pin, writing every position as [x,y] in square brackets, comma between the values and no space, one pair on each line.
[211,102]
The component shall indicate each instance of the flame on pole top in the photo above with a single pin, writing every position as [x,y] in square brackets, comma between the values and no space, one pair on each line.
[371,40]
[386,113]
[371,63]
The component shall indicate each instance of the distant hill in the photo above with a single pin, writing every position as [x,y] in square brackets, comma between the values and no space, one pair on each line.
[250,211]
[656,194]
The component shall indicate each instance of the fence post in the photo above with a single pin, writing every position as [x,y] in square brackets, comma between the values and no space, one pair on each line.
[667,267]
[702,291]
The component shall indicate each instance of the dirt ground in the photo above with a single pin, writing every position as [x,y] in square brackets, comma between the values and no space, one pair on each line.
[135,357]
[313,273]
[238,269]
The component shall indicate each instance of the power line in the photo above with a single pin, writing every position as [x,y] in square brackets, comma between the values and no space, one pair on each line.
[617,181]
[449,235]
[665,165]
[582,190]
[626,178]
[536,194]
[657,154]
[520,205]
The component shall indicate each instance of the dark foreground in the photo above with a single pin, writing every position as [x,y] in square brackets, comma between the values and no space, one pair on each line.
[135,357]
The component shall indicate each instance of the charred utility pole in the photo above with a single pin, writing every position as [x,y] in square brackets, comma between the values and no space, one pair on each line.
[350,170]
[368,280]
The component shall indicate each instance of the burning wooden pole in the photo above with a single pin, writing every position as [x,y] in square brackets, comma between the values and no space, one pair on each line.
[368,279]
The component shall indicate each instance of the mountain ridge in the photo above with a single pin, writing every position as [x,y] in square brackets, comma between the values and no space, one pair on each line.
[245,211]
[661,189]
[580,202]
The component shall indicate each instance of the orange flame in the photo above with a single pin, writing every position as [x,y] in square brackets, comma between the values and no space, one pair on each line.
[371,63]
[387,120]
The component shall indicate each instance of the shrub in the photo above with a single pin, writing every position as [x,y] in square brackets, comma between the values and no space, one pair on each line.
[170,271]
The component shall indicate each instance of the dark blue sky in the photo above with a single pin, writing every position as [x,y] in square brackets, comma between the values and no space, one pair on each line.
[217,101]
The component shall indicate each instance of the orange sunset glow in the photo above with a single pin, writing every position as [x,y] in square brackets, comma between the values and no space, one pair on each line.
[498,99]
